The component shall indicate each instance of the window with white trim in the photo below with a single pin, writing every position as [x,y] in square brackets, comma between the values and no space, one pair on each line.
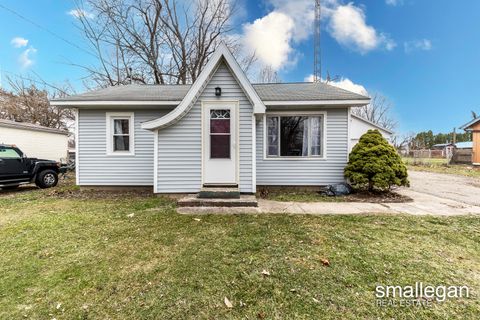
[295,136]
[120,133]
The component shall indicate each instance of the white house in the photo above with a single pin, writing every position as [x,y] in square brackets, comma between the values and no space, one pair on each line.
[221,130]
[34,140]
[359,126]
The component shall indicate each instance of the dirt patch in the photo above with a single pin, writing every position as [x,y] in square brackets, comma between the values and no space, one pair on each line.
[381,197]
[77,193]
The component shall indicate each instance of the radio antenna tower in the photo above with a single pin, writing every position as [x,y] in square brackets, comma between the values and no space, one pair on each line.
[317,55]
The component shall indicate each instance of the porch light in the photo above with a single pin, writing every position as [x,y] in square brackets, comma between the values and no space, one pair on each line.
[218,91]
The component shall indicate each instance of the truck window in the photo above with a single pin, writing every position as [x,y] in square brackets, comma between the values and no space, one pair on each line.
[7,153]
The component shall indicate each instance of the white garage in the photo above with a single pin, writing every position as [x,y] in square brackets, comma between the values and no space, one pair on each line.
[34,140]
[359,126]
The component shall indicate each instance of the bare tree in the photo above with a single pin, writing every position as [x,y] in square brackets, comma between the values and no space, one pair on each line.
[378,111]
[28,103]
[403,142]
[154,41]
[268,75]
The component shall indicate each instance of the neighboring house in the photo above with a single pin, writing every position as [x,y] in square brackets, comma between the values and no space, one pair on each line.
[34,140]
[359,126]
[221,130]
[445,148]
[474,127]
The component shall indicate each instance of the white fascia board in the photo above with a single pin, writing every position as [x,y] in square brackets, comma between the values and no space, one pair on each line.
[469,124]
[187,102]
[351,103]
[372,124]
[113,103]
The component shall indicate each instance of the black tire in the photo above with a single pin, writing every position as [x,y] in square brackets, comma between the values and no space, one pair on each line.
[10,187]
[47,179]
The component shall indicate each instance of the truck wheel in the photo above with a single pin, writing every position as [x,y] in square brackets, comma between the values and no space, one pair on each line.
[47,179]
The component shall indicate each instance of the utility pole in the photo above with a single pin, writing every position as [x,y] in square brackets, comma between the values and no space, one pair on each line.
[317,55]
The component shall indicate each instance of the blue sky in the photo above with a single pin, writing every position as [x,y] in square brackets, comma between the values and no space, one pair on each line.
[424,55]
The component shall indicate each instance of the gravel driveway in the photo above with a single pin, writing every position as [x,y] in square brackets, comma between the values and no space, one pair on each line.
[432,194]
[464,190]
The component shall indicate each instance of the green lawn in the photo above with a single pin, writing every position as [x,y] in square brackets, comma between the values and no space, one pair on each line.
[440,166]
[71,255]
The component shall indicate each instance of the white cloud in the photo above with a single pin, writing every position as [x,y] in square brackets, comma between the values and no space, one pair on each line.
[418,45]
[343,83]
[25,59]
[269,37]
[274,36]
[348,26]
[19,42]
[302,12]
[394,2]
[79,13]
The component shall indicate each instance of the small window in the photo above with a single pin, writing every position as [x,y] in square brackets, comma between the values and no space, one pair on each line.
[9,153]
[220,134]
[295,136]
[120,133]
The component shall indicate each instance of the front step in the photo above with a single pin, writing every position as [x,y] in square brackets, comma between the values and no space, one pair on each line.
[219,193]
[242,201]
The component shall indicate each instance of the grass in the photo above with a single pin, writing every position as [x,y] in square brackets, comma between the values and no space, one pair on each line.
[302,196]
[440,166]
[70,255]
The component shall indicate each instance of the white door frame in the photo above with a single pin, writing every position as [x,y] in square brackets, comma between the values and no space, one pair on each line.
[235,104]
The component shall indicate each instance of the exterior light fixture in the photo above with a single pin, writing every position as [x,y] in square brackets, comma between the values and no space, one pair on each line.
[218,91]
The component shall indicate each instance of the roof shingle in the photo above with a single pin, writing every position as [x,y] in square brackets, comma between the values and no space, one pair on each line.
[302,91]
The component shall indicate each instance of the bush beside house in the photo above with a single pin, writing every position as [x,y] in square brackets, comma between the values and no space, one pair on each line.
[374,164]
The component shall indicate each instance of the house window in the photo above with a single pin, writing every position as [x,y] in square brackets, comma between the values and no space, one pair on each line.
[120,133]
[295,136]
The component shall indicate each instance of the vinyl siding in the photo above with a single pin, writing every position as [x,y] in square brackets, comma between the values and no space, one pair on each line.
[307,172]
[179,146]
[97,168]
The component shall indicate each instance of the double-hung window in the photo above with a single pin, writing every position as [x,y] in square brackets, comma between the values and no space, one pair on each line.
[120,130]
[295,136]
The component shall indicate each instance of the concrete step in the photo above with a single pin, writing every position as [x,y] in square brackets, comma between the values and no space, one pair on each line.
[219,193]
[242,201]
[218,210]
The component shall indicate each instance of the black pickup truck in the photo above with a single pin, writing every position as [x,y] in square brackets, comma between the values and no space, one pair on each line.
[16,169]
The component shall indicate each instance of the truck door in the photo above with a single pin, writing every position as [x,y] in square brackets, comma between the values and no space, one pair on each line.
[12,165]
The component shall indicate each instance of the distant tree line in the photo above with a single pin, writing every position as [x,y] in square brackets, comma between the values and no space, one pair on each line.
[427,139]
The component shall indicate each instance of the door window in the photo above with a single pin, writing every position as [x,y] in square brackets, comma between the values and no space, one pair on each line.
[8,153]
[219,134]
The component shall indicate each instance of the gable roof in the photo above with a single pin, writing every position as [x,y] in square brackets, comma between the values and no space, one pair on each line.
[30,126]
[174,94]
[373,124]
[467,125]
[222,53]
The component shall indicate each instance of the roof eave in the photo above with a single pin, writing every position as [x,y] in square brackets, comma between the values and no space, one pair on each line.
[349,103]
[467,125]
[78,104]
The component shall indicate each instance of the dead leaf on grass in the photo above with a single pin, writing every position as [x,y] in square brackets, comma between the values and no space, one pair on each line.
[228,303]
[196,219]
[325,262]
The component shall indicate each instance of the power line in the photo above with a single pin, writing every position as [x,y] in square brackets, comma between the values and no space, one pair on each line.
[56,35]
